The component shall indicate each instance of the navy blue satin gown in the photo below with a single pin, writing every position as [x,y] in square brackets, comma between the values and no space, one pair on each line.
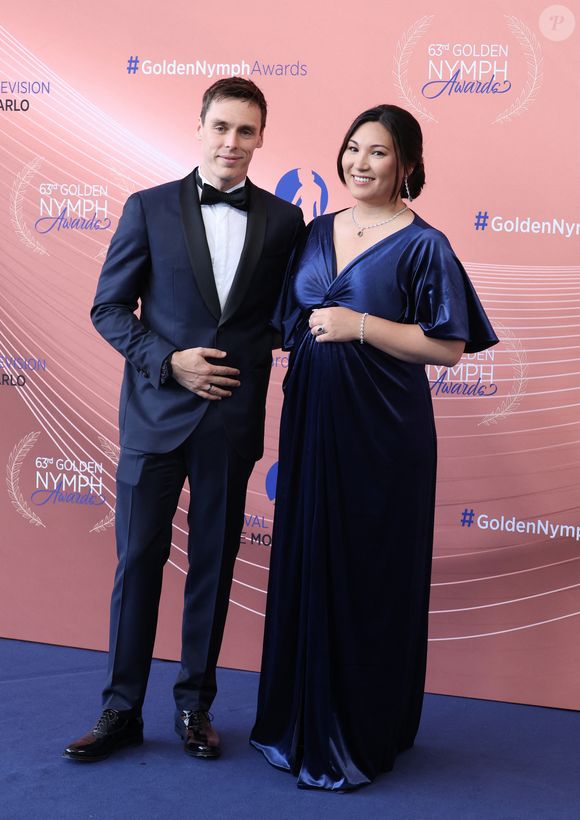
[345,647]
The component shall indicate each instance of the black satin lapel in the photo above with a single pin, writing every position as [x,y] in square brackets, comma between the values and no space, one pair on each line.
[197,246]
[251,252]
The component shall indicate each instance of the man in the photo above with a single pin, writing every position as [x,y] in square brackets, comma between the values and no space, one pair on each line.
[205,257]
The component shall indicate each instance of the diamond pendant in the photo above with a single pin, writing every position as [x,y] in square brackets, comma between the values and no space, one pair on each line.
[361,232]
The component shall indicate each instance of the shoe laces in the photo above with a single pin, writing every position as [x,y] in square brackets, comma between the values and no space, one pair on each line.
[103,723]
[194,718]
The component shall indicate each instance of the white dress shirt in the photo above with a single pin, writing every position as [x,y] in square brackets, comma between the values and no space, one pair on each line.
[225,229]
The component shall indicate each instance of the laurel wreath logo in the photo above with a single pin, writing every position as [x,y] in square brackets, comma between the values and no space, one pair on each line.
[403,53]
[533,54]
[15,462]
[14,465]
[19,186]
[112,451]
[520,365]
[527,39]
[104,523]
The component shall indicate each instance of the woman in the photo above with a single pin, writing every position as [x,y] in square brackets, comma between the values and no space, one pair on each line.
[374,296]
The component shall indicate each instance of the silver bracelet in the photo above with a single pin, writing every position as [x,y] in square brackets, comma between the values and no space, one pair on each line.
[362,328]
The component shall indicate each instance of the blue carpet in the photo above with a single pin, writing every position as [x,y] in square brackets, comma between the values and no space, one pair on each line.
[473,760]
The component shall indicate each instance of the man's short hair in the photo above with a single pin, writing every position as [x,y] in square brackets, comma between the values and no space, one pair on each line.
[236,88]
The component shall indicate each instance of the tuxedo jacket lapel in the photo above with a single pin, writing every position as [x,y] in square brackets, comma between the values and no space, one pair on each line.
[197,246]
[251,252]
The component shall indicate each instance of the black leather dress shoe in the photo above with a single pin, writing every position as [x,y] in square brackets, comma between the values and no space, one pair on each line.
[113,731]
[199,737]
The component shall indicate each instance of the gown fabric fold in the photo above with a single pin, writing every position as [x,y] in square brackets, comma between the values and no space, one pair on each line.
[343,667]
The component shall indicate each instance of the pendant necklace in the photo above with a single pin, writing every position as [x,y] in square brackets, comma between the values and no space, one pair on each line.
[362,228]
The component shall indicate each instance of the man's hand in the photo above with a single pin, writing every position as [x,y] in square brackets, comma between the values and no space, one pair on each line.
[208,381]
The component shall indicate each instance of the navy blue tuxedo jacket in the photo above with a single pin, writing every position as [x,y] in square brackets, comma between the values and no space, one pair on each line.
[159,259]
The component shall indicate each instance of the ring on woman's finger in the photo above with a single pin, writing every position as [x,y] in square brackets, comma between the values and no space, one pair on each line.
[320,330]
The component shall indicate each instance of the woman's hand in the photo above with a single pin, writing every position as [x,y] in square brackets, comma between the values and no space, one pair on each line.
[335,324]
[405,342]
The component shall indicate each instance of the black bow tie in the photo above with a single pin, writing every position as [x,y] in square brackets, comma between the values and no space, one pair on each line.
[211,196]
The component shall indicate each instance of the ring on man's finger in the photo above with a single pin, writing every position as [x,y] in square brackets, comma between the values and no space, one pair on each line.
[210,388]
[320,330]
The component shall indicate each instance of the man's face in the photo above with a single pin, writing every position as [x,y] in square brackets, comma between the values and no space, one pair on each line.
[230,134]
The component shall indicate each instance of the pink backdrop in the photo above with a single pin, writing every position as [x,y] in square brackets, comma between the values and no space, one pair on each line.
[496,90]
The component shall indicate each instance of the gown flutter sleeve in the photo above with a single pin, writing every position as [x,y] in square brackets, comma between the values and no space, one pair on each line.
[446,305]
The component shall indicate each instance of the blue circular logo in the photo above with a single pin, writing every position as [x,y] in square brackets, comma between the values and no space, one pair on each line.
[305,188]
[271,479]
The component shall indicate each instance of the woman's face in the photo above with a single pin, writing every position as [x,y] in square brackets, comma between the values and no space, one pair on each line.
[369,164]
